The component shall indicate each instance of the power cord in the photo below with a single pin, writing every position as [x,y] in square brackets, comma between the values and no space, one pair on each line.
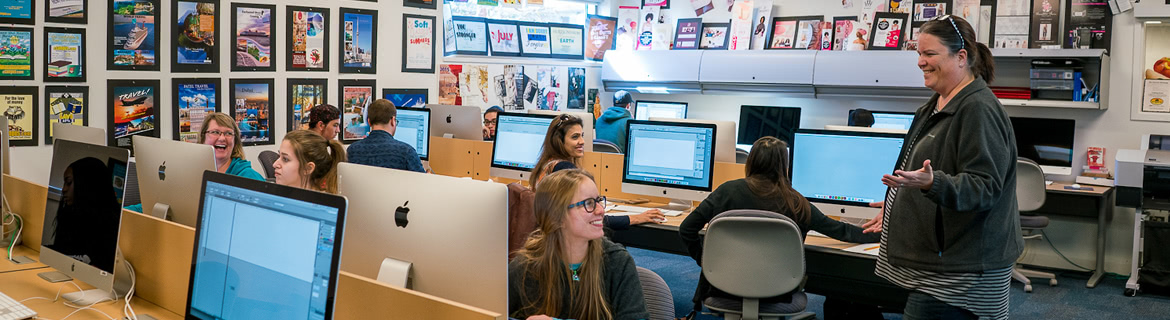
[127,310]
[1054,249]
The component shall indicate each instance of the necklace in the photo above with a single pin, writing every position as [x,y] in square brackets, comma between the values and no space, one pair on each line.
[575,278]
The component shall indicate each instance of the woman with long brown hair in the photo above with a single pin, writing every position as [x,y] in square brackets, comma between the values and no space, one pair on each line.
[309,161]
[568,269]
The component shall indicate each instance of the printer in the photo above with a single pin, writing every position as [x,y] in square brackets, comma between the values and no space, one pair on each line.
[1143,176]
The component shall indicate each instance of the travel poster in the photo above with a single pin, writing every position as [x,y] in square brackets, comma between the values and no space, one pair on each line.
[194,35]
[302,96]
[195,102]
[134,39]
[251,106]
[308,49]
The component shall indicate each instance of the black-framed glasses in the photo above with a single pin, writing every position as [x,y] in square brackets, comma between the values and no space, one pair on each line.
[589,204]
[962,42]
[217,133]
[493,121]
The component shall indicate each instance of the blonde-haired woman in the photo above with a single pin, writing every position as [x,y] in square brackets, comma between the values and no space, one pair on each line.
[567,269]
[308,161]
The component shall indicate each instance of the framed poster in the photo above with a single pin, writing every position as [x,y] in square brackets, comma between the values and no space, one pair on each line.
[424,4]
[1088,24]
[504,38]
[308,39]
[20,107]
[17,12]
[686,34]
[64,55]
[133,35]
[193,36]
[16,53]
[133,110]
[1045,31]
[665,4]
[359,41]
[888,31]
[925,10]
[842,28]
[251,106]
[714,36]
[783,34]
[67,11]
[254,36]
[534,40]
[600,31]
[410,98]
[470,36]
[354,97]
[65,105]
[807,31]
[303,94]
[418,43]
[567,41]
[193,100]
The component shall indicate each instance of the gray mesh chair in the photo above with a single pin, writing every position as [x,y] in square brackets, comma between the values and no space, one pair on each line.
[600,145]
[266,158]
[659,301]
[741,156]
[755,254]
[1030,189]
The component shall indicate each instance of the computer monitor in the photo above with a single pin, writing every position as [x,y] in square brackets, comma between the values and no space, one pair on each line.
[83,214]
[863,129]
[1049,142]
[669,159]
[725,130]
[5,167]
[841,171]
[409,98]
[414,128]
[453,232]
[756,122]
[460,122]
[586,123]
[644,110]
[169,172]
[264,251]
[90,135]
[887,119]
[519,139]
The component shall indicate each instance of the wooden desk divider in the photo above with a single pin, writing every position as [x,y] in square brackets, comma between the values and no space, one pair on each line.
[161,253]
[28,200]
[481,164]
[452,157]
[724,172]
[592,163]
[363,298]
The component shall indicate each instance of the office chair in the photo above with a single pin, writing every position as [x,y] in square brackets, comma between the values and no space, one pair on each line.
[600,145]
[266,158]
[740,156]
[755,254]
[521,218]
[659,301]
[1030,190]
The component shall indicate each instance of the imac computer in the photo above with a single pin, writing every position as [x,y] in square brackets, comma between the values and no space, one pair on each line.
[644,110]
[1049,142]
[586,123]
[459,122]
[725,130]
[264,251]
[669,159]
[863,129]
[169,172]
[90,135]
[420,239]
[841,171]
[414,128]
[519,139]
[83,214]
[756,122]
[887,119]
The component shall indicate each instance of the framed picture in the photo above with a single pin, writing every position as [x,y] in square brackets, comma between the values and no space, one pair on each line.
[133,111]
[504,38]
[665,4]
[18,12]
[64,55]
[567,41]
[67,11]
[193,35]
[20,107]
[423,4]
[359,41]
[16,54]
[534,40]
[308,39]
[471,36]
[193,100]
[601,31]
[924,11]
[686,34]
[254,37]
[418,43]
[842,28]
[411,98]
[133,35]
[714,36]
[783,34]
[303,94]
[354,97]
[888,31]
[251,107]
[65,105]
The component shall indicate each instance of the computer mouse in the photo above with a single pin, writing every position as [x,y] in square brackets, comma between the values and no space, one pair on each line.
[1076,185]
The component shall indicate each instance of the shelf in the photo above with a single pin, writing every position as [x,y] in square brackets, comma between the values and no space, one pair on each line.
[1050,104]
[1048,53]
[475,59]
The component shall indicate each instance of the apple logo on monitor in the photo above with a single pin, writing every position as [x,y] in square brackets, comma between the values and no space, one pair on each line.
[162,171]
[448,118]
[400,215]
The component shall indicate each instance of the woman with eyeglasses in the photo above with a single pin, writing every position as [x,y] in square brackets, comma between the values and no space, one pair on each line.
[563,148]
[567,269]
[950,225]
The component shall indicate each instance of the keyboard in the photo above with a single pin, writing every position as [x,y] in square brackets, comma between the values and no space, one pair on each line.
[12,310]
[631,210]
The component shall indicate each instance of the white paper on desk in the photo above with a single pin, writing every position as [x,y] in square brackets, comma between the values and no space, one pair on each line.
[868,248]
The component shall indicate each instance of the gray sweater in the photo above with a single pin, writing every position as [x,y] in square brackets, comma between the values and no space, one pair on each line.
[969,220]
[619,284]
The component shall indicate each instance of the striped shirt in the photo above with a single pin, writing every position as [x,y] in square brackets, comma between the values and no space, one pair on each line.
[984,294]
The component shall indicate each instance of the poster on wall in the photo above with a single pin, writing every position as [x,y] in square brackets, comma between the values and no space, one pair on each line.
[899,6]
[783,33]
[193,100]
[308,39]
[687,35]
[194,36]
[448,32]
[67,11]
[17,11]
[410,98]
[663,32]
[741,25]
[626,33]
[647,19]
[254,36]
[1045,33]
[1011,21]
[513,87]
[664,4]
[1088,24]
[133,35]
[133,110]
[424,4]
[576,99]
[600,32]
[65,105]
[418,45]
[251,106]
[924,11]
[807,31]
[888,31]
[1156,97]
[550,93]
[359,41]
[534,40]
[713,36]
[449,84]
[505,38]
[303,94]
[20,107]
[16,53]
[354,98]
[471,36]
[986,21]
[702,6]
[64,55]
[843,27]
[567,41]
[968,10]
[761,13]
[473,84]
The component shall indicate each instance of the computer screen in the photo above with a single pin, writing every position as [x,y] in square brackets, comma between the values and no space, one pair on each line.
[670,154]
[756,122]
[1049,142]
[519,138]
[892,120]
[264,251]
[643,110]
[406,98]
[843,167]
[414,129]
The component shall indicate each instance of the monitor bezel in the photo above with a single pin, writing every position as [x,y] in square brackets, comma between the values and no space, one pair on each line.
[496,144]
[739,134]
[710,164]
[876,112]
[841,133]
[1051,127]
[423,157]
[634,111]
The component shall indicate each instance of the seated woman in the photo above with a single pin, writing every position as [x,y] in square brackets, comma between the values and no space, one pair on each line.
[563,148]
[308,161]
[766,187]
[567,269]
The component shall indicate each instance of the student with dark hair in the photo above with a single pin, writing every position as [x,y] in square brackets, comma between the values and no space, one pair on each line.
[379,148]
[861,118]
[490,120]
[611,126]
[325,120]
[308,161]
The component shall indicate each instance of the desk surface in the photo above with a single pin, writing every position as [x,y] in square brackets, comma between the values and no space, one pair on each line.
[26,284]
[7,266]
[1058,187]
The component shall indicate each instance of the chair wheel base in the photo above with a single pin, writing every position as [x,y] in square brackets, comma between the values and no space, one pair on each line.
[1052,282]
[1130,292]
[1028,288]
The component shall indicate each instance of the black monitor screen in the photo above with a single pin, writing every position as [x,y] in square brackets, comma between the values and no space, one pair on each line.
[1049,142]
[756,122]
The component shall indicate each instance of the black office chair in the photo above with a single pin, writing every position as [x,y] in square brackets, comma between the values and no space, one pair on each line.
[741,156]
[1030,193]
[600,145]
[266,158]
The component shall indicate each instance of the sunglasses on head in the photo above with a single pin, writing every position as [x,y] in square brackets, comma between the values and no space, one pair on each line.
[962,42]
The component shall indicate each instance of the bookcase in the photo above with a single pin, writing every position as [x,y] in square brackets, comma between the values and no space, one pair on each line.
[1013,69]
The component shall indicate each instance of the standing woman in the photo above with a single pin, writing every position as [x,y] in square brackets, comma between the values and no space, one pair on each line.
[308,161]
[950,225]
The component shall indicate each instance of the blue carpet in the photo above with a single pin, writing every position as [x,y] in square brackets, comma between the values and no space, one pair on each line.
[1070,300]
